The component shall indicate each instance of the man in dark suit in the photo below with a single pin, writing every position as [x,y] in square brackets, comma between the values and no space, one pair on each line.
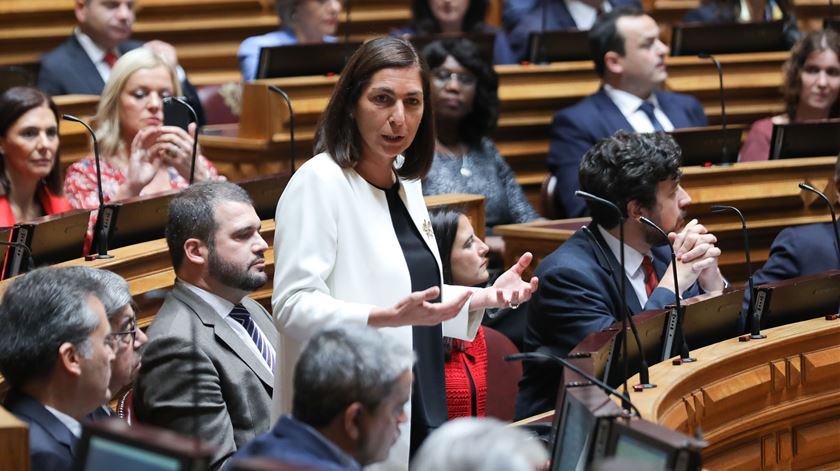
[554,15]
[351,385]
[630,59]
[55,354]
[579,282]
[209,363]
[82,63]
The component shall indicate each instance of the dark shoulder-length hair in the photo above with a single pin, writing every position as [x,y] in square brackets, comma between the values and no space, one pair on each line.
[14,103]
[482,120]
[445,225]
[338,133]
[818,41]
[423,21]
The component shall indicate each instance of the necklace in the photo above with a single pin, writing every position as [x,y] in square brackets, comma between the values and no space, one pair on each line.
[460,153]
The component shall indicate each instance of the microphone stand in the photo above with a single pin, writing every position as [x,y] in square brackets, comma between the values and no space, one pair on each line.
[724,155]
[755,321]
[189,108]
[644,372]
[822,196]
[288,100]
[102,246]
[685,357]
[540,356]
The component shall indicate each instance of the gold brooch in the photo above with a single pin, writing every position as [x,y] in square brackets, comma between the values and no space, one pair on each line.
[427,229]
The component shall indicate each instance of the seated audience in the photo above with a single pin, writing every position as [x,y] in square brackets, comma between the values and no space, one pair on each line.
[208,323]
[811,84]
[452,17]
[128,338]
[139,156]
[55,355]
[630,59]
[802,250]
[30,177]
[302,21]
[464,94]
[463,258]
[579,282]
[740,11]
[554,15]
[82,64]
[351,385]
[470,444]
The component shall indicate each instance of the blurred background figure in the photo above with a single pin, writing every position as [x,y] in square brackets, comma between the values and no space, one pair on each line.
[470,444]
[30,174]
[746,11]
[811,84]
[302,22]
[465,97]
[452,17]
[140,156]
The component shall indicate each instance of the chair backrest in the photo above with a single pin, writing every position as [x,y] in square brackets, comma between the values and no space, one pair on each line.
[502,377]
[547,205]
[220,102]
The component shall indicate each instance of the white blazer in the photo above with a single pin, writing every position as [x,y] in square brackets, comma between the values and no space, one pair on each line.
[336,257]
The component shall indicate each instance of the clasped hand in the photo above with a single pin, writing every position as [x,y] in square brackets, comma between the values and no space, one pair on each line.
[697,258]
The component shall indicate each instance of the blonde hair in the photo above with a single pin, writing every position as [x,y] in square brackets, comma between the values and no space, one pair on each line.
[107,119]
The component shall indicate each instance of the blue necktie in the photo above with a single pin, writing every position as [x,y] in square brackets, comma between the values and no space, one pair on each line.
[241,315]
[647,108]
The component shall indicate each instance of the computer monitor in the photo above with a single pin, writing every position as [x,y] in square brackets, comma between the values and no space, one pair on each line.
[653,446]
[134,220]
[558,46]
[707,319]
[649,325]
[704,146]
[304,59]
[581,428]
[51,239]
[798,299]
[114,445]
[812,139]
[693,38]
[485,42]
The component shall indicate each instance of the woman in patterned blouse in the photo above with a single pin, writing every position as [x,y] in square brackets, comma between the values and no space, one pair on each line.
[139,155]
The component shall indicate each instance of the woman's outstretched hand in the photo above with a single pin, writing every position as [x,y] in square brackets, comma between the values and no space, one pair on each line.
[416,309]
[509,290]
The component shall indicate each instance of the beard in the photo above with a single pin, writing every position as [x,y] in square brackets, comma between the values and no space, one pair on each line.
[232,275]
[654,239]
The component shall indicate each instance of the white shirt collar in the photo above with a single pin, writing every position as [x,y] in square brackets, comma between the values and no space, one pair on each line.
[626,102]
[222,306]
[96,53]
[632,257]
[584,14]
[72,424]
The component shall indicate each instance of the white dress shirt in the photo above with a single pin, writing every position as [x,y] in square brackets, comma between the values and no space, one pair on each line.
[72,424]
[223,307]
[629,105]
[585,14]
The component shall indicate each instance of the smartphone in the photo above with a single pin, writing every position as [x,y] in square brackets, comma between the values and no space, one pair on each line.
[176,114]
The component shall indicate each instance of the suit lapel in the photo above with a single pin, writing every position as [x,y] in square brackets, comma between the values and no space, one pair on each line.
[225,332]
[674,112]
[611,117]
[88,80]
[420,217]
[24,405]
[608,261]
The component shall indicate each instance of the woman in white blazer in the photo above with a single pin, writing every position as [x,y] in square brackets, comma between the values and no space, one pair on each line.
[351,217]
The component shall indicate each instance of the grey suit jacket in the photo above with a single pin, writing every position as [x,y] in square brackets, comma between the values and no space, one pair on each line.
[230,393]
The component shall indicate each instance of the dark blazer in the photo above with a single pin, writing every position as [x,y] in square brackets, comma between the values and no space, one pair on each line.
[577,128]
[557,18]
[232,383]
[51,444]
[578,295]
[68,70]
[799,251]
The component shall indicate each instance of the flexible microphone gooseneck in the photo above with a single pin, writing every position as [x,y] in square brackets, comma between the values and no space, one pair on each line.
[194,117]
[540,356]
[644,372]
[285,96]
[724,155]
[755,321]
[685,357]
[822,196]
[102,246]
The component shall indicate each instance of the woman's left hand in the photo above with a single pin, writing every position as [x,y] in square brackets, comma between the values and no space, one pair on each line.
[509,290]
[175,146]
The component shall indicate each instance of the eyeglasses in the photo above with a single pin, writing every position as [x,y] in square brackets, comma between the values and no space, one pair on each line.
[125,337]
[443,76]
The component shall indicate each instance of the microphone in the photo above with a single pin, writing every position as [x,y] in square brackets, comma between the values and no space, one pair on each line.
[288,100]
[685,357]
[819,193]
[644,373]
[540,356]
[724,155]
[189,108]
[22,247]
[102,246]
[755,321]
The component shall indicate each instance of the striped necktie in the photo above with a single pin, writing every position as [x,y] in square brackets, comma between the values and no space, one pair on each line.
[241,315]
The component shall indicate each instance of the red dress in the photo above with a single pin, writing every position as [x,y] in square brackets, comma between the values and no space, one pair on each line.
[466,377]
[51,203]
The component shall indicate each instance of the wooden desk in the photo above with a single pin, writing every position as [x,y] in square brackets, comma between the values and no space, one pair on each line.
[766,192]
[14,442]
[769,404]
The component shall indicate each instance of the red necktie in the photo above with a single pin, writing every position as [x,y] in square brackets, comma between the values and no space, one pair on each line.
[651,280]
[110,59]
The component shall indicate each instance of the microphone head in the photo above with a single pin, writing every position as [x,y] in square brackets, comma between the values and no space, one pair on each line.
[808,187]
[70,117]
[704,55]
